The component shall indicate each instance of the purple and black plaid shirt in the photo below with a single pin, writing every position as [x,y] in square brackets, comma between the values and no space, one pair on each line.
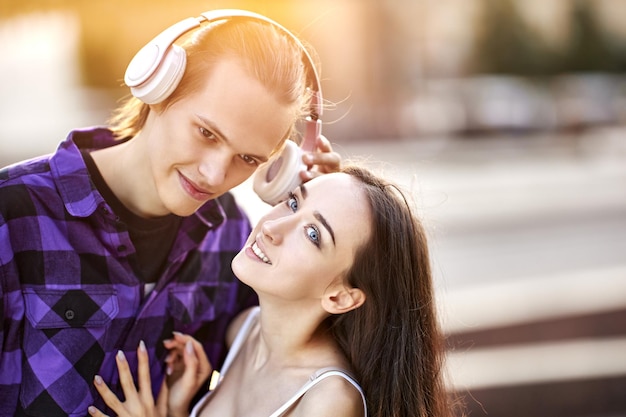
[70,298]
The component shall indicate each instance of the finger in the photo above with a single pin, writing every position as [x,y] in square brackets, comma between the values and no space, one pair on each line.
[93,411]
[126,379]
[143,374]
[306,176]
[323,144]
[174,364]
[178,342]
[191,366]
[161,403]
[176,348]
[181,337]
[326,162]
[107,395]
[197,365]
[204,366]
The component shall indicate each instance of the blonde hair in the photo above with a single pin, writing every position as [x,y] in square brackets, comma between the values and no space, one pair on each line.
[266,52]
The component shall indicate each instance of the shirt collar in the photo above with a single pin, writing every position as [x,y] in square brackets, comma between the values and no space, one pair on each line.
[76,189]
[212,213]
[70,173]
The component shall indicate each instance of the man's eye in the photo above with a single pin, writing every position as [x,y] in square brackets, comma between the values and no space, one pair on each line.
[207,133]
[249,160]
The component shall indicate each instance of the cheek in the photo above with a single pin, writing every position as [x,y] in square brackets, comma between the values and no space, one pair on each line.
[161,152]
[162,171]
[238,173]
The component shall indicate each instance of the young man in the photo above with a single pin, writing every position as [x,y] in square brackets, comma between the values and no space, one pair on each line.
[126,233]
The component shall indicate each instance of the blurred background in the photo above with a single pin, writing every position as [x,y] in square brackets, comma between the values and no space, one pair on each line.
[504,119]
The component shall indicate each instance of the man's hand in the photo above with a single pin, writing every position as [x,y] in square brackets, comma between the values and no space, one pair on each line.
[322,161]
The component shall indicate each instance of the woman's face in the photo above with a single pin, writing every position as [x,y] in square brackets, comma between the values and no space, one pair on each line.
[308,242]
[211,141]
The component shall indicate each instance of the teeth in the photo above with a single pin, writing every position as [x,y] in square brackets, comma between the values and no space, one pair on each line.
[260,254]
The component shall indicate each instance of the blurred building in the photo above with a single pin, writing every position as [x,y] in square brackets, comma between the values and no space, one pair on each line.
[407,68]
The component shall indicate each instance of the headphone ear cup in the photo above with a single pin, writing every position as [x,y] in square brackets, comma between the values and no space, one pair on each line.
[275,179]
[165,78]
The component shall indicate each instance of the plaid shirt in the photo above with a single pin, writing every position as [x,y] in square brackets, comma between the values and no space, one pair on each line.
[69,295]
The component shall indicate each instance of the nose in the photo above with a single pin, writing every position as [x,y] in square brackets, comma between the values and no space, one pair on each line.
[214,168]
[275,229]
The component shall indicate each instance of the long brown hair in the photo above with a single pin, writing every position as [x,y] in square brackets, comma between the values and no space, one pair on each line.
[266,53]
[393,340]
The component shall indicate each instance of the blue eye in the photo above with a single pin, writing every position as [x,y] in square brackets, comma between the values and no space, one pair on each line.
[311,231]
[292,202]
[313,234]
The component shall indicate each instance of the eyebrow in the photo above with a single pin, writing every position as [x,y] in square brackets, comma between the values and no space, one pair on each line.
[319,216]
[219,133]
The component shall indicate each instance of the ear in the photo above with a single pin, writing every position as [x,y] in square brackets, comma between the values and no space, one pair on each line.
[342,299]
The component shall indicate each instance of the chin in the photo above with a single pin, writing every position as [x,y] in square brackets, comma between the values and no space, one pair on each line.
[185,210]
[239,264]
[240,258]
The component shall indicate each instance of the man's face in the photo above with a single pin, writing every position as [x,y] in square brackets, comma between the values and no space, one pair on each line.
[211,141]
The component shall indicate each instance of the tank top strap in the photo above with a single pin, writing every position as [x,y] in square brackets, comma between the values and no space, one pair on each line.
[239,340]
[316,378]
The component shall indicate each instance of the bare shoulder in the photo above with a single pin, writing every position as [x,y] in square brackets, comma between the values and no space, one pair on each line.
[334,396]
[235,325]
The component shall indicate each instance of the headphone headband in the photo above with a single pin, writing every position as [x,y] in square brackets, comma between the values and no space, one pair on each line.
[155,71]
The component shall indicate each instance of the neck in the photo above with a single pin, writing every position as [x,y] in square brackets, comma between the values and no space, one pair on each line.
[125,169]
[301,341]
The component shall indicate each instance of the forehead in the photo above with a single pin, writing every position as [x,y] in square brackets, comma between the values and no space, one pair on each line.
[341,199]
[244,110]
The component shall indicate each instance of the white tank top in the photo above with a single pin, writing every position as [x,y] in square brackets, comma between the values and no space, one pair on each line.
[317,377]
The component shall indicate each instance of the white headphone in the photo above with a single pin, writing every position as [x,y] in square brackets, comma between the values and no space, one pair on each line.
[155,71]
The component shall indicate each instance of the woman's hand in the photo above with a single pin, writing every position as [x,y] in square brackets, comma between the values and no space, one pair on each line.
[325,160]
[139,403]
[187,369]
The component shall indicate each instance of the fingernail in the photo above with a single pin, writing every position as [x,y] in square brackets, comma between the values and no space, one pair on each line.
[97,379]
[189,347]
[177,333]
[92,410]
[120,355]
[308,159]
[142,346]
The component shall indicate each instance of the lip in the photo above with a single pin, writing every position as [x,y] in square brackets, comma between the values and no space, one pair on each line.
[193,190]
[251,253]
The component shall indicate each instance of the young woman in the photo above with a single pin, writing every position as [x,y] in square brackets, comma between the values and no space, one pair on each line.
[343,278]
[127,233]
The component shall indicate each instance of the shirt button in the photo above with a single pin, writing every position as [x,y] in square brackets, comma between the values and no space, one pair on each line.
[69,314]
[121,248]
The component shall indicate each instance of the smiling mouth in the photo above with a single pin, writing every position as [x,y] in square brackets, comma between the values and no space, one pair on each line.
[193,190]
[259,253]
